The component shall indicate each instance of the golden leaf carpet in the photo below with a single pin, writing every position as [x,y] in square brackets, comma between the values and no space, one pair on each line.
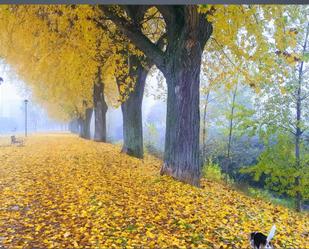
[60,191]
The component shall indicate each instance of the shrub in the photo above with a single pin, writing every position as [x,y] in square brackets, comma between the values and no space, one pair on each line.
[212,171]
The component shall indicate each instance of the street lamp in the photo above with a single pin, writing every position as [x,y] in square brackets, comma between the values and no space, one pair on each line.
[26,102]
[1,81]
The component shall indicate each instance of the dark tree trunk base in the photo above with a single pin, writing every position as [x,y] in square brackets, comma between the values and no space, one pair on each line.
[130,152]
[85,124]
[298,200]
[186,176]
[132,112]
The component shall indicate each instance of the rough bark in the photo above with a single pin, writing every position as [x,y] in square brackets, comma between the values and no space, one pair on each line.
[100,109]
[132,112]
[84,124]
[181,156]
[186,33]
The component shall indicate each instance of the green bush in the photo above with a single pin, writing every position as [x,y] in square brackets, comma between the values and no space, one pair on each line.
[212,171]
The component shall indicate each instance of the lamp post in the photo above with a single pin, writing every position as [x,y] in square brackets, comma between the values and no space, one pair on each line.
[1,81]
[26,102]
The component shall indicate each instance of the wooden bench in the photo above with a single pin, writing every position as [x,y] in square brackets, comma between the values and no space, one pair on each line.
[18,142]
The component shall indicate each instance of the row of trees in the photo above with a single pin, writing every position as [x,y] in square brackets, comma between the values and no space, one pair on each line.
[80,58]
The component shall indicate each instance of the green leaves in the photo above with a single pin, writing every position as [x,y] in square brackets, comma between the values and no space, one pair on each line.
[277,162]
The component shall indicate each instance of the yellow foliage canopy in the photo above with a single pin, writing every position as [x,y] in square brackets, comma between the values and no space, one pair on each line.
[57,49]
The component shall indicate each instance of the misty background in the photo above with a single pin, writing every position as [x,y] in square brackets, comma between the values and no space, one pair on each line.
[14,92]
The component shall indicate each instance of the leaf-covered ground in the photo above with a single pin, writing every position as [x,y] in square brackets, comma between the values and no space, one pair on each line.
[60,191]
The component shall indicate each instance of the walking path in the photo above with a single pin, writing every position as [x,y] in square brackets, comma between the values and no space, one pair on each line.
[60,191]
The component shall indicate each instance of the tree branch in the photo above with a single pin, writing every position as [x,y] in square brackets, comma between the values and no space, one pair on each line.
[133,32]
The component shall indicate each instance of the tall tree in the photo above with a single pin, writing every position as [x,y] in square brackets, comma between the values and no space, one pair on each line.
[284,107]
[132,110]
[84,123]
[300,98]
[187,29]
[213,75]
[186,32]
[73,33]
[100,108]
[81,48]
[231,126]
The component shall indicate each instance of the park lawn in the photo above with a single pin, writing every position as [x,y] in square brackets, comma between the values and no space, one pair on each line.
[60,191]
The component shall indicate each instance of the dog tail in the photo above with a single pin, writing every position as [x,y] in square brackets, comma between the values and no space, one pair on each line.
[271,233]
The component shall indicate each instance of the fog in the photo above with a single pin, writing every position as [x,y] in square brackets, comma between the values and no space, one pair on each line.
[153,111]
[13,92]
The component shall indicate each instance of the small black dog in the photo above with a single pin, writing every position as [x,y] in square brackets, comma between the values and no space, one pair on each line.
[260,241]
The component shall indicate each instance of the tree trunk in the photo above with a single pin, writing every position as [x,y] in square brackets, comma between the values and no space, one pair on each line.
[84,124]
[298,134]
[229,145]
[182,73]
[187,31]
[181,156]
[297,159]
[132,112]
[100,109]
[204,128]
[299,131]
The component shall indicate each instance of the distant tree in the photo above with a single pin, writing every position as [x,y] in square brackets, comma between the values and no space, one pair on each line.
[283,109]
